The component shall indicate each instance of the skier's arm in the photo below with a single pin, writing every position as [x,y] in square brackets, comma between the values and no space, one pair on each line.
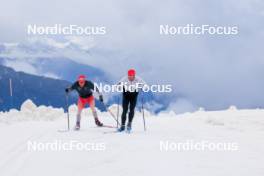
[122,80]
[72,87]
[141,83]
[98,92]
[120,84]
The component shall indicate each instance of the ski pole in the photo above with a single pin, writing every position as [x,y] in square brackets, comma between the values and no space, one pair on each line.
[67,110]
[143,114]
[117,111]
[110,112]
[11,93]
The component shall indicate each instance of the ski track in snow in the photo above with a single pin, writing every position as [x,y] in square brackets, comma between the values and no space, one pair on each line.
[137,153]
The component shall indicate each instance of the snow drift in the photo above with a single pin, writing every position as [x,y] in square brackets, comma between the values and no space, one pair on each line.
[132,154]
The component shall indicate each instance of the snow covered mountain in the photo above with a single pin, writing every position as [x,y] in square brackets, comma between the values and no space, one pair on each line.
[42,90]
[59,68]
[65,60]
[202,143]
[45,46]
[50,58]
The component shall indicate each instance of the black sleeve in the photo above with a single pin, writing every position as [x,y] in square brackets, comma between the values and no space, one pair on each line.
[93,87]
[74,86]
[90,85]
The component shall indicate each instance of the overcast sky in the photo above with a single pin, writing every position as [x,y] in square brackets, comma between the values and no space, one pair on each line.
[211,71]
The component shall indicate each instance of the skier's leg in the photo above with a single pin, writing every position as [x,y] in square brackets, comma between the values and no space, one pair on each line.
[78,117]
[133,103]
[125,109]
[80,108]
[91,103]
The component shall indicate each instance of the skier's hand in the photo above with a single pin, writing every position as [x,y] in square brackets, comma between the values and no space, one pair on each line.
[67,90]
[101,98]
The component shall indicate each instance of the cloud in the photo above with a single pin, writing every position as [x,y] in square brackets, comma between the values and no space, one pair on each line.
[50,75]
[182,105]
[212,71]
[22,66]
[27,67]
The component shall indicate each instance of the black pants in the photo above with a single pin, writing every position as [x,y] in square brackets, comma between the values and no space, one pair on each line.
[129,99]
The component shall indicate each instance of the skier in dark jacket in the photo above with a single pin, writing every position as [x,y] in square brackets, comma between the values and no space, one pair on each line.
[131,85]
[85,90]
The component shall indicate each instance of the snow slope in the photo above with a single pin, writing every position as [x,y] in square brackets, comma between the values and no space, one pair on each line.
[138,153]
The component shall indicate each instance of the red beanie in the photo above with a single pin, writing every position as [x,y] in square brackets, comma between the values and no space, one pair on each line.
[131,72]
[81,77]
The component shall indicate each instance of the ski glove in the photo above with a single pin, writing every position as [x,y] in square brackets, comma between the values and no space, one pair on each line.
[101,98]
[67,90]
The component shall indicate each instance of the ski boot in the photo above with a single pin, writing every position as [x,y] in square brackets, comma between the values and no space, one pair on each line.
[128,129]
[98,123]
[77,126]
[121,129]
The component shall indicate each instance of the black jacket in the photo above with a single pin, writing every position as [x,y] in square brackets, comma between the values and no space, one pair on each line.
[85,91]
